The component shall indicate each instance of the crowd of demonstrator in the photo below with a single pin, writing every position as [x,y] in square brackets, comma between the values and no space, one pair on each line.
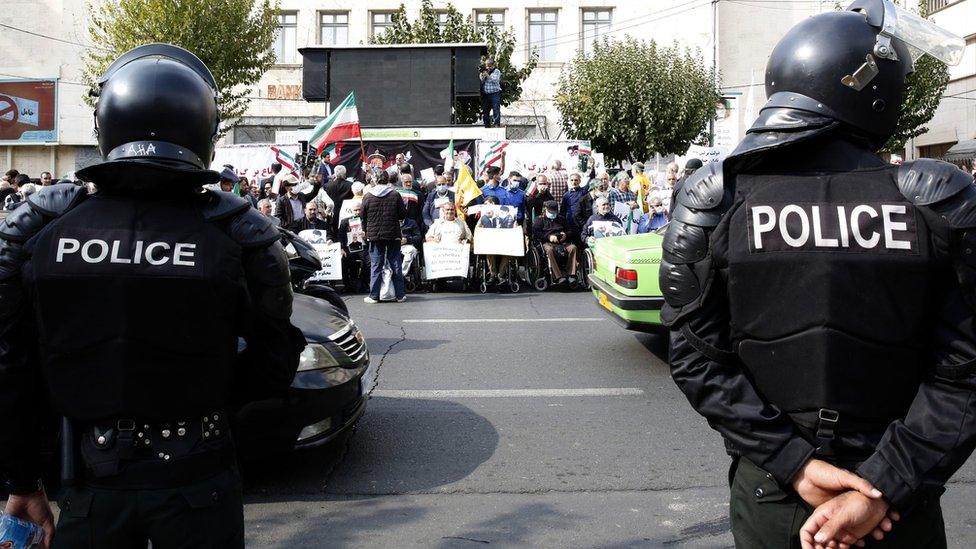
[384,220]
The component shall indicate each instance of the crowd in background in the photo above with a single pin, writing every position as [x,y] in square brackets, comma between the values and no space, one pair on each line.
[384,219]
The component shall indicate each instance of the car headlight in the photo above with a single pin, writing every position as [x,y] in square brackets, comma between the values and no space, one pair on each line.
[315,357]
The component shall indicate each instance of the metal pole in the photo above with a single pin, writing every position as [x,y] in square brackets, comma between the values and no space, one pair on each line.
[711,122]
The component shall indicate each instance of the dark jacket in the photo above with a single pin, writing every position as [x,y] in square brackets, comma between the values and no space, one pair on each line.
[584,209]
[534,204]
[283,209]
[382,211]
[587,229]
[544,227]
[305,224]
[430,212]
[569,206]
[339,190]
[411,231]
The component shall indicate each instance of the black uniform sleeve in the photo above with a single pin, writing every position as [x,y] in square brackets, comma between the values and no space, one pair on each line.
[21,391]
[919,453]
[269,363]
[697,312]
[23,406]
[720,391]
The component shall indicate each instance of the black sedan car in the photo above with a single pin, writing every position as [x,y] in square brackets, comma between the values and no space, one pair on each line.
[330,389]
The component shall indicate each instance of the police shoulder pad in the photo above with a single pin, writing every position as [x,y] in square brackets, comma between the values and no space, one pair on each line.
[684,243]
[22,223]
[221,205]
[679,284]
[927,181]
[56,200]
[252,229]
[704,189]
[11,258]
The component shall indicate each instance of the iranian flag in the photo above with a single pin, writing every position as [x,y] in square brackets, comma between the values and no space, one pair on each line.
[408,195]
[286,160]
[493,155]
[342,124]
[448,156]
[331,152]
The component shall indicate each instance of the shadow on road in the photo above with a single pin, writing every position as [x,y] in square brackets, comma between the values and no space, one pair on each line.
[401,445]
[513,528]
[656,343]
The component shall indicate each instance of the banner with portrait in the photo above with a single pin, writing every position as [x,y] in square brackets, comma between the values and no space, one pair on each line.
[445,260]
[330,254]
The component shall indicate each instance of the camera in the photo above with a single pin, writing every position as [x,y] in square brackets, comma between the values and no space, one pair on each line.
[482,68]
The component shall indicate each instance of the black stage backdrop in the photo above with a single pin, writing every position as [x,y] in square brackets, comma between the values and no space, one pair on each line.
[422,154]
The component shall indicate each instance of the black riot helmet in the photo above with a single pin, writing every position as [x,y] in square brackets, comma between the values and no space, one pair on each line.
[156,112]
[851,65]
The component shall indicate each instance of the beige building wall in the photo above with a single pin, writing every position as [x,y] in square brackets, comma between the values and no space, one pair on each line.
[955,119]
[746,31]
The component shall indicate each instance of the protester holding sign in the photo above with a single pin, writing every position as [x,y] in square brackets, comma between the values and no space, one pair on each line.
[603,216]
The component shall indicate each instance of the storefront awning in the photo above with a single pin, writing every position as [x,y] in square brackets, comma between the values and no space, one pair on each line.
[962,151]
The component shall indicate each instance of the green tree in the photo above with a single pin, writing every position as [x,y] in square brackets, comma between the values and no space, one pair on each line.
[233,37]
[459,29]
[632,99]
[923,93]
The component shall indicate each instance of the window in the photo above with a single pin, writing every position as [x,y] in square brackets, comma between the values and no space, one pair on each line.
[334,29]
[441,20]
[495,18]
[596,23]
[542,33]
[380,20]
[285,48]
[936,5]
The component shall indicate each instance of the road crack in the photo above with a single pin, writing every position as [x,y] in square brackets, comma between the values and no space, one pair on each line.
[369,394]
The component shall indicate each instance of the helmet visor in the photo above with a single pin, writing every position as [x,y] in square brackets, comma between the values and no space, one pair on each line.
[922,36]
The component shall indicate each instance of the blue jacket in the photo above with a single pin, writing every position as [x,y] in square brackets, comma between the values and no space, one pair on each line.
[515,198]
[570,202]
[650,223]
[498,192]
[430,213]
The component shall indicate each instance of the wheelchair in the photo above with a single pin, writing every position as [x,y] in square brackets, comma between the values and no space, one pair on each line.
[513,277]
[413,279]
[540,271]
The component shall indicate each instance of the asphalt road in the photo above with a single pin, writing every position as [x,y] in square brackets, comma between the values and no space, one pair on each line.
[514,421]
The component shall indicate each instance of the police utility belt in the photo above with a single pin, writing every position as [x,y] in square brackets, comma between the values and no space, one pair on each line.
[136,451]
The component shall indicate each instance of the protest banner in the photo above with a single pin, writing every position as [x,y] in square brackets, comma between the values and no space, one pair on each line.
[509,242]
[534,156]
[445,260]
[251,161]
[330,254]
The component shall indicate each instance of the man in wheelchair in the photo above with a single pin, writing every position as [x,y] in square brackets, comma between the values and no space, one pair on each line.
[552,232]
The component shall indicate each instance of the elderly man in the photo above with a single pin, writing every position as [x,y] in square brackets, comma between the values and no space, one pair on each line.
[655,218]
[551,231]
[622,194]
[339,189]
[571,200]
[448,228]
[602,213]
[491,94]
[558,180]
[311,221]
[264,206]
[442,194]
[46,179]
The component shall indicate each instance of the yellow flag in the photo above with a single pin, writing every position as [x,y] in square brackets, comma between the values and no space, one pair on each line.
[465,190]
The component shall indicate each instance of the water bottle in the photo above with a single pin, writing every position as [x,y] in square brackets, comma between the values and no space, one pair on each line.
[19,534]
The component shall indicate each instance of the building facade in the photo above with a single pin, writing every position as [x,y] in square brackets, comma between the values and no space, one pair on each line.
[46,40]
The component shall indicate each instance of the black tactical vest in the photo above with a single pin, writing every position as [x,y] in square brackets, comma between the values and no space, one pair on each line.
[138,304]
[830,279]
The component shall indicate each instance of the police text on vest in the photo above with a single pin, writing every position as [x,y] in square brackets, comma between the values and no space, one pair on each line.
[180,254]
[825,226]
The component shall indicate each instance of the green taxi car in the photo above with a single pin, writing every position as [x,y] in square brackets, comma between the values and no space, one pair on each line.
[624,280]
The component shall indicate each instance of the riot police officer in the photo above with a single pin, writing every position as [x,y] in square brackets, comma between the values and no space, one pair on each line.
[820,302]
[122,311]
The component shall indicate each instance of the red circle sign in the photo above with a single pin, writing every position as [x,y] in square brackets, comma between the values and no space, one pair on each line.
[8,112]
